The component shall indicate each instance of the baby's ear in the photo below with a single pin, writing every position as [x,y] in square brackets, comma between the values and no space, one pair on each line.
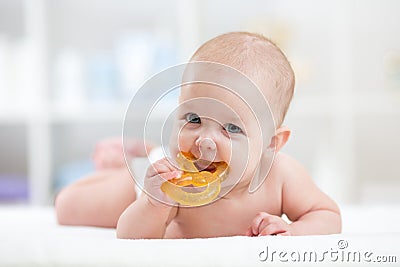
[280,138]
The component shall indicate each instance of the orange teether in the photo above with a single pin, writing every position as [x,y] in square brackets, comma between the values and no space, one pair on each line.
[194,187]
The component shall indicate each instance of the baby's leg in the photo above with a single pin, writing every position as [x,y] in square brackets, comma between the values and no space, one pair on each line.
[97,199]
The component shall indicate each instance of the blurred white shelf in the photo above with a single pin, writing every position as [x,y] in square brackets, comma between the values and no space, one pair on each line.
[7,118]
[29,20]
[99,113]
[330,105]
[110,112]
[378,103]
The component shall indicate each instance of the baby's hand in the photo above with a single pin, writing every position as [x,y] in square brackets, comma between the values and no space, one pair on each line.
[159,172]
[267,224]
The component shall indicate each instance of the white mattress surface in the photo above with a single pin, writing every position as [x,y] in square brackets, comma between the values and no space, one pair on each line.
[30,236]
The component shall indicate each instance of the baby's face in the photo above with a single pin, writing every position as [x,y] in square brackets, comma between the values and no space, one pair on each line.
[216,125]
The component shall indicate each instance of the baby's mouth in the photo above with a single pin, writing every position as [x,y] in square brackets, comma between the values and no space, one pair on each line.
[205,165]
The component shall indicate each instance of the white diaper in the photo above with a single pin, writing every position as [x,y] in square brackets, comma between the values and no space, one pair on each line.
[139,166]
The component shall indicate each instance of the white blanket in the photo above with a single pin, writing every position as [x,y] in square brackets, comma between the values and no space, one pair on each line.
[30,236]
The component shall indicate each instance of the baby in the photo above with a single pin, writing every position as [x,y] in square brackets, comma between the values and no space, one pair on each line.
[213,134]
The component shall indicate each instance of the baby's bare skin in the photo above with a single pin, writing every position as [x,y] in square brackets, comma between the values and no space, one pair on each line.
[311,211]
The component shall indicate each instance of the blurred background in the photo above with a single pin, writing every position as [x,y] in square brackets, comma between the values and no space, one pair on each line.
[68,69]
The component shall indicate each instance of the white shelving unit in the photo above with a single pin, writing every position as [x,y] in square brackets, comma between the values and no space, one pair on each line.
[327,42]
[48,28]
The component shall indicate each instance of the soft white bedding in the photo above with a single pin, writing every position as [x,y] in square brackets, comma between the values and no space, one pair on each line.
[30,236]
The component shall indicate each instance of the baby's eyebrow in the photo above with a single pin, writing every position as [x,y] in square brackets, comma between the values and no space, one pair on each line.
[235,120]
[221,118]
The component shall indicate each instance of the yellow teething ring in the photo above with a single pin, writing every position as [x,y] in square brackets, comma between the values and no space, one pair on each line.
[209,183]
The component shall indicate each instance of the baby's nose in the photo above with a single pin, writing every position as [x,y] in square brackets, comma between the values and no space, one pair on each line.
[207,148]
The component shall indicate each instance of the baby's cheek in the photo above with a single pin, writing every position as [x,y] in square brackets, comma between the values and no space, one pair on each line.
[186,139]
[245,156]
[178,141]
[237,154]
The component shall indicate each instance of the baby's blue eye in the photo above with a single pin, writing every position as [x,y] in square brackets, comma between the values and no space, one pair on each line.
[192,118]
[232,128]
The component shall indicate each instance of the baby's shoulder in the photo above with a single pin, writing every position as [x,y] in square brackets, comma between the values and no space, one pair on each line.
[286,167]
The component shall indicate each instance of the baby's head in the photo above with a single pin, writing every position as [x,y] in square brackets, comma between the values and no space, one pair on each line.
[216,124]
[260,60]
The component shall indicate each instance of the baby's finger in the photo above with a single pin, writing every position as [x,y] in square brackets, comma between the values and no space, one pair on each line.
[267,220]
[170,175]
[249,232]
[273,228]
[169,163]
[158,167]
[165,162]
[255,224]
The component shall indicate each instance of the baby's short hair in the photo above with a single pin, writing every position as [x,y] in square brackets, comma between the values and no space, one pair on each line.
[260,59]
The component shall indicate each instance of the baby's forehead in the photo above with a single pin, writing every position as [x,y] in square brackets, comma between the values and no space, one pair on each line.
[214,93]
[250,101]
[224,82]
[204,89]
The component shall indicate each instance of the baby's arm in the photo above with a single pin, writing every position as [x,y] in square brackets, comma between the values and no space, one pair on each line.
[147,217]
[310,210]
[143,219]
